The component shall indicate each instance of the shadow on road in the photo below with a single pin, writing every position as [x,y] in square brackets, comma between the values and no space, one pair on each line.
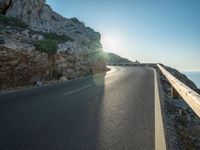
[49,120]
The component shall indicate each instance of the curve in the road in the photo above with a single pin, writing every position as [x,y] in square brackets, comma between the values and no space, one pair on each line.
[108,111]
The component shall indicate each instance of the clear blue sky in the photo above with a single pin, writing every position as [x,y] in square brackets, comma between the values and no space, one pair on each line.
[166,31]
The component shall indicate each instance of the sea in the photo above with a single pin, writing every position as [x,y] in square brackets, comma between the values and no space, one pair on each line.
[194,76]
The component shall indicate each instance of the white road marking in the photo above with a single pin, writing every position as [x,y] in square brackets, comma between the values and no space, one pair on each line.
[160,143]
[74,91]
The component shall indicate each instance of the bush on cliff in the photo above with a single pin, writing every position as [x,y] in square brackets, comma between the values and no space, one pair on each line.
[10,21]
[47,46]
[56,37]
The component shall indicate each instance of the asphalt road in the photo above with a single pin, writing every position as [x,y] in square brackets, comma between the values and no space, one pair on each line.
[108,111]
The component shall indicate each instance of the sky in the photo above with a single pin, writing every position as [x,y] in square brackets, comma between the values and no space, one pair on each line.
[164,31]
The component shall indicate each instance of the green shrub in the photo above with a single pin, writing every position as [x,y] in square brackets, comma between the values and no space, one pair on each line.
[75,20]
[47,46]
[10,21]
[56,37]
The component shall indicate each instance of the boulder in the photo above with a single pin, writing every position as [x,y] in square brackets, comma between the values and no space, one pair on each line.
[63,78]
[39,83]
[40,38]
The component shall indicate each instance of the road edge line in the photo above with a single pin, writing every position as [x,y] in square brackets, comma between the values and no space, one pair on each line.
[160,143]
[77,90]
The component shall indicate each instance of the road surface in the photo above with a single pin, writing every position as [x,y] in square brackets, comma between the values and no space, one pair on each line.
[108,111]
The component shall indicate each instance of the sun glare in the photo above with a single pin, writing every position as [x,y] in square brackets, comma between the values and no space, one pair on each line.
[110,43]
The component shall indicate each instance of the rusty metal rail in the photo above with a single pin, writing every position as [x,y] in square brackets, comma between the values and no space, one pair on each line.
[191,97]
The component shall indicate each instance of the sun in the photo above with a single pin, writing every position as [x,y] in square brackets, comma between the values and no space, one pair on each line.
[110,43]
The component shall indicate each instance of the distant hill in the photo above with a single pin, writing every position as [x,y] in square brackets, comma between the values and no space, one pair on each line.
[111,58]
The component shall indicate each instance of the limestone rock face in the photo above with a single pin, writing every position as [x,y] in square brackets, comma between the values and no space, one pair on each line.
[20,68]
[41,17]
[22,64]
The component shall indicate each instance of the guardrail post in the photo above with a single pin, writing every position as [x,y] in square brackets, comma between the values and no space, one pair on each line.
[174,93]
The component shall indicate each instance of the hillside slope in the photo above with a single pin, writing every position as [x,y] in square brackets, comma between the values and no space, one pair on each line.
[39,45]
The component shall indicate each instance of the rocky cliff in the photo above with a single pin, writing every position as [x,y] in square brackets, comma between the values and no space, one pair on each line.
[40,17]
[29,30]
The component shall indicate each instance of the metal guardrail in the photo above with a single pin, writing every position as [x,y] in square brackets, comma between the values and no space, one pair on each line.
[191,97]
[133,64]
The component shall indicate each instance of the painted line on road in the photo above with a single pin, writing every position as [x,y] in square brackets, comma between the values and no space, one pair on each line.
[77,90]
[160,143]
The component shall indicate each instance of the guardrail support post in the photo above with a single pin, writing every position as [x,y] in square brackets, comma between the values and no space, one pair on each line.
[174,93]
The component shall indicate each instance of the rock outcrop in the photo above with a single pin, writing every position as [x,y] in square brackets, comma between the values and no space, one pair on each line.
[23,23]
[40,17]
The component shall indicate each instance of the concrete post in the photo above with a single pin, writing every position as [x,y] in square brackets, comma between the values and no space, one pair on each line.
[174,93]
